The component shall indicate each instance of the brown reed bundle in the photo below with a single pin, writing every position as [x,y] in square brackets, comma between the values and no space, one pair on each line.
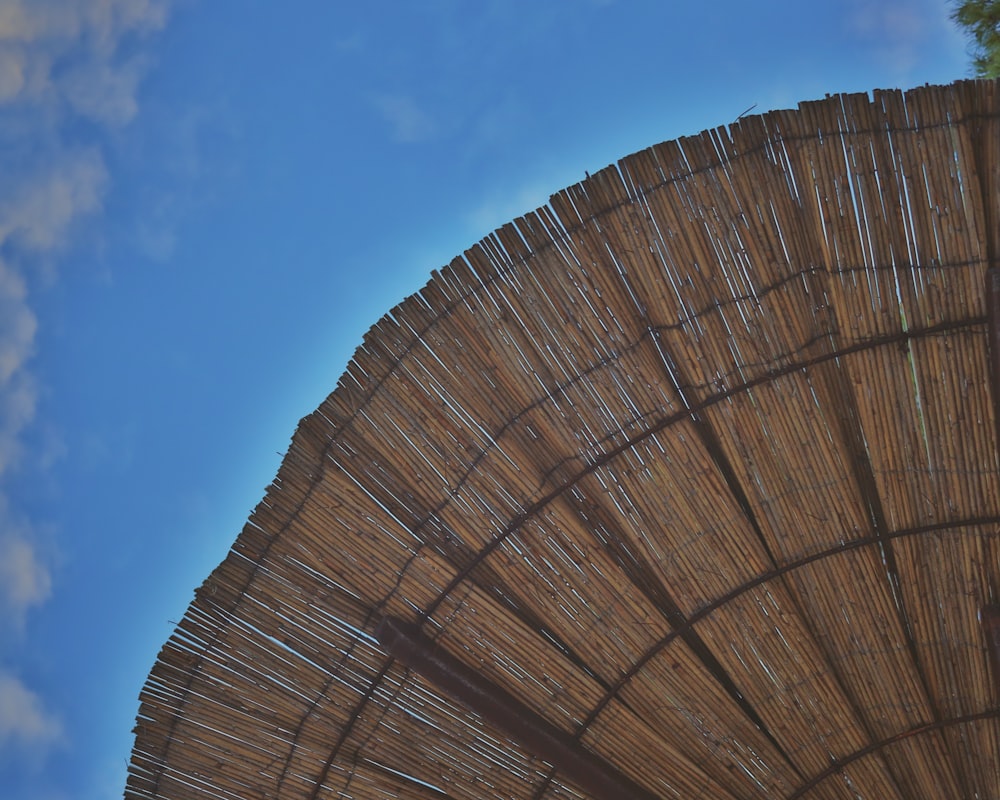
[691,473]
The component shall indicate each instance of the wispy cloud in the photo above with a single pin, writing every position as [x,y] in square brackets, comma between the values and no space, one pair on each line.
[350,43]
[24,720]
[25,579]
[60,60]
[69,77]
[899,30]
[17,324]
[70,50]
[407,120]
[38,209]
[18,404]
[104,92]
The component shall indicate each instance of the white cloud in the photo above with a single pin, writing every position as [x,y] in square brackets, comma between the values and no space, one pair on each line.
[409,122]
[24,580]
[68,51]
[12,73]
[18,405]
[61,62]
[17,325]
[102,92]
[103,22]
[24,73]
[24,719]
[35,217]
[38,210]
[25,577]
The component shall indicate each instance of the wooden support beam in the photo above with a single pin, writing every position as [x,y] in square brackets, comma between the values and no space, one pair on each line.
[588,771]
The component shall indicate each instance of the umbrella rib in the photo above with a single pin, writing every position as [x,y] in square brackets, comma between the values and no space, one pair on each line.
[993,311]
[345,731]
[710,441]
[990,619]
[861,471]
[931,727]
[990,614]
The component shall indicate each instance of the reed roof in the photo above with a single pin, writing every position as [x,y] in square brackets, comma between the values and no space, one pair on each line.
[697,464]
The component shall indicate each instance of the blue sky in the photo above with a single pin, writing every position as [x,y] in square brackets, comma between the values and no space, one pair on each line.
[205,205]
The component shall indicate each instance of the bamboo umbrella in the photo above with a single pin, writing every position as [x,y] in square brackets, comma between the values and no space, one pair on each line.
[684,485]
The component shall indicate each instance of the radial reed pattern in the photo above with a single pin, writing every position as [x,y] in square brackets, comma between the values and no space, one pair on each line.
[691,473]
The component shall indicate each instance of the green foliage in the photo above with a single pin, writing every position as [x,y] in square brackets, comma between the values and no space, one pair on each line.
[981,21]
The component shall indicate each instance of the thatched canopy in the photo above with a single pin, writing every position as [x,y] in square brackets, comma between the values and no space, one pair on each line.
[686,484]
